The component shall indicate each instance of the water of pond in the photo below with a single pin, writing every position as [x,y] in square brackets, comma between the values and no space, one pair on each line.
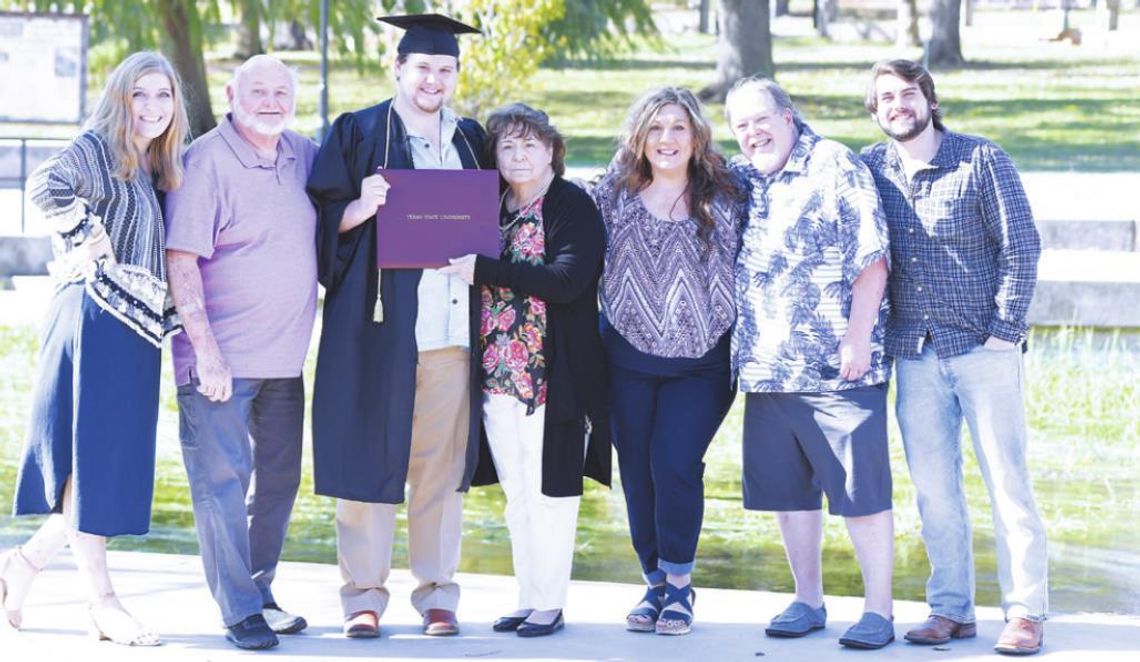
[1084,409]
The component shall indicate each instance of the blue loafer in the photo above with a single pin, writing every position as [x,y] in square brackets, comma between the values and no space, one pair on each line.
[871,632]
[797,620]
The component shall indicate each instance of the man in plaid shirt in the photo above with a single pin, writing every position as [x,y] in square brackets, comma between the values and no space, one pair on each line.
[964,249]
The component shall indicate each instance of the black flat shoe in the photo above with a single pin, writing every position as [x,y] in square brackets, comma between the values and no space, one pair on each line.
[528,629]
[507,623]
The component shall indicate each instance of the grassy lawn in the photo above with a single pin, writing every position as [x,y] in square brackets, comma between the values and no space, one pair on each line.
[1051,107]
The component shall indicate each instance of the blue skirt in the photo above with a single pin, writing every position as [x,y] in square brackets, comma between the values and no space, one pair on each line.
[94,416]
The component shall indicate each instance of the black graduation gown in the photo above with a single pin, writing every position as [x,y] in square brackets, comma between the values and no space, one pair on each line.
[364,389]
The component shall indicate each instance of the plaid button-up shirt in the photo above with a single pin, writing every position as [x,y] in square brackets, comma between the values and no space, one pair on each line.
[963,245]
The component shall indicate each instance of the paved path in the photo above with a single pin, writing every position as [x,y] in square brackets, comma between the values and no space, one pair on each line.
[168,592]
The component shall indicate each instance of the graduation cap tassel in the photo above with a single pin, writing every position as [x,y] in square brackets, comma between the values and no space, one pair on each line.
[378,309]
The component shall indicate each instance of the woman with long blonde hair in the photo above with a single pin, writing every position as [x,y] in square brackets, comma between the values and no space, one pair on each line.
[89,455]
[672,212]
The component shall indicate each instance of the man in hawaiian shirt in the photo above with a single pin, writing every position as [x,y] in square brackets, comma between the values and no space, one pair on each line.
[963,237]
[808,352]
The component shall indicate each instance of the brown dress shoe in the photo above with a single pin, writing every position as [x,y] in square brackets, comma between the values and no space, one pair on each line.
[939,630]
[440,623]
[1021,636]
[362,625]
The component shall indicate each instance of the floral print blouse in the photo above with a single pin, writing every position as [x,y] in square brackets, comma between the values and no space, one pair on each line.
[513,325]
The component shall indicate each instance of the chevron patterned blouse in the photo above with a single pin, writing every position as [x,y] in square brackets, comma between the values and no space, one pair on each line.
[659,291]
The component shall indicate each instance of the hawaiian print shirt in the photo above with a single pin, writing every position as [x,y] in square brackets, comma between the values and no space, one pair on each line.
[812,228]
[513,326]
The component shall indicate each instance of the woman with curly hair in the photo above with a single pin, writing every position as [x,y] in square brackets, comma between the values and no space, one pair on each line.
[89,456]
[672,212]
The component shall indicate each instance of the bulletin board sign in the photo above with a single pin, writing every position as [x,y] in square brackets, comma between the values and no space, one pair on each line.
[43,68]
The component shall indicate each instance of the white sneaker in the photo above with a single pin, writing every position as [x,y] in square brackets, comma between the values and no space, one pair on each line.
[282,622]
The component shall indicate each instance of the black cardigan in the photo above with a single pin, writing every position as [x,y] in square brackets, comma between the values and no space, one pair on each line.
[577,393]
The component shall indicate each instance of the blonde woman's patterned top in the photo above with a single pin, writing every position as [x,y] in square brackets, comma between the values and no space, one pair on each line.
[77,194]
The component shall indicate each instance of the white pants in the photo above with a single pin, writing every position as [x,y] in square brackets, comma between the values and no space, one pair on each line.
[542,528]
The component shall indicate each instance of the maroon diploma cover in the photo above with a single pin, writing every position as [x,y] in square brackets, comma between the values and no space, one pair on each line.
[432,215]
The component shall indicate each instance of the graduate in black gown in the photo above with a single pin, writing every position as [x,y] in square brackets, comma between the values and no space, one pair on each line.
[405,350]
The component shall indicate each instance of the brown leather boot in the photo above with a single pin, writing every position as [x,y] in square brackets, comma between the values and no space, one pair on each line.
[939,630]
[1021,636]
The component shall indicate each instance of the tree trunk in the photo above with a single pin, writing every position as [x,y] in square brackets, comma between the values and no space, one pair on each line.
[745,47]
[298,37]
[183,45]
[969,18]
[1113,7]
[782,7]
[907,34]
[703,19]
[826,11]
[249,29]
[945,47]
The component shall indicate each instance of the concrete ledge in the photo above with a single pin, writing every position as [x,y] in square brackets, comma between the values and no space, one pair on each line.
[24,256]
[169,594]
[1118,235]
[1087,288]
[1097,288]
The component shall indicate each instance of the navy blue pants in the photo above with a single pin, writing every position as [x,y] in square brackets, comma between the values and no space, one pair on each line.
[94,416]
[662,427]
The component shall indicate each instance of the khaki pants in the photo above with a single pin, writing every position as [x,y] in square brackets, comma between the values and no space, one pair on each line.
[435,506]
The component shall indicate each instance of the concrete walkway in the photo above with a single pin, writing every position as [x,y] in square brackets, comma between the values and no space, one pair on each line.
[168,593]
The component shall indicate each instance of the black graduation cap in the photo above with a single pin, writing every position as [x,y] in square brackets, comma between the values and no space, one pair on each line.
[433,34]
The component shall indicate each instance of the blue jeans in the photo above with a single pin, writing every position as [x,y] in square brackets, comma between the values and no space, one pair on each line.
[663,426]
[985,388]
[243,460]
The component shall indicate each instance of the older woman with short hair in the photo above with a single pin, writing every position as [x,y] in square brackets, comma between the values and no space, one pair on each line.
[545,413]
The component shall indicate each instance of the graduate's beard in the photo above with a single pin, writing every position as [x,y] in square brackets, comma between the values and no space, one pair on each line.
[430,107]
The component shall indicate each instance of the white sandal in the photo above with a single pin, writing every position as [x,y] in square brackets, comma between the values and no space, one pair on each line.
[110,622]
[12,594]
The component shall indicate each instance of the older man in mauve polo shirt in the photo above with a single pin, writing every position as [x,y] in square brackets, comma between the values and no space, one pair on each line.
[243,274]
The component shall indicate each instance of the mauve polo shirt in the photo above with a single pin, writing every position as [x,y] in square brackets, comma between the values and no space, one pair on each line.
[253,225]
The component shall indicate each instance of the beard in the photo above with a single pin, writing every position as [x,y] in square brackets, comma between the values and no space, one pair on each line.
[432,105]
[909,131]
[258,125]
